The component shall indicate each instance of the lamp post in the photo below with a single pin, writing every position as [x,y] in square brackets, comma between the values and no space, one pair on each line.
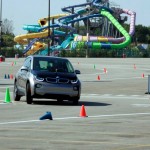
[1,25]
[48,27]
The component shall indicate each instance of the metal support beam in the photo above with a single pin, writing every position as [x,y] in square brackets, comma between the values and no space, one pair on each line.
[52,34]
[72,11]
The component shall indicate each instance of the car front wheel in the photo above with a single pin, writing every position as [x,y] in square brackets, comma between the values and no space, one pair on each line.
[75,100]
[15,93]
[59,100]
[29,98]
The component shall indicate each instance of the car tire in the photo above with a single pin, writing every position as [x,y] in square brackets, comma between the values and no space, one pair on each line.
[29,98]
[16,96]
[75,100]
[59,100]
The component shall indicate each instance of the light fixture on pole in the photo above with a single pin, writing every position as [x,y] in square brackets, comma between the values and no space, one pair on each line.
[48,28]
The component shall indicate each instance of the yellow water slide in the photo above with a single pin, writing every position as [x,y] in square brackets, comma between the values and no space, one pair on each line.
[35,47]
[25,38]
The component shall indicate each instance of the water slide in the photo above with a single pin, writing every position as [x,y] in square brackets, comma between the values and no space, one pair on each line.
[72,40]
[66,19]
[34,46]
[96,42]
[110,39]
[23,39]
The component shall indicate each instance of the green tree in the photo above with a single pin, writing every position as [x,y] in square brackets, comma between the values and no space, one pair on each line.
[142,34]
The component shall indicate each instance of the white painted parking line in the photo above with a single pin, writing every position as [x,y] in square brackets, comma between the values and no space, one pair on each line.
[66,118]
[2,103]
[121,95]
[116,96]
[141,105]
[18,122]
[135,95]
[4,87]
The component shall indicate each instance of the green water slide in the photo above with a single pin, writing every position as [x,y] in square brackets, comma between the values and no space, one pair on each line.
[120,28]
[98,45]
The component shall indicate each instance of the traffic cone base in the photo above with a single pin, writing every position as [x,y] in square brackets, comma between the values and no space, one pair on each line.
[83,112]
[48,115]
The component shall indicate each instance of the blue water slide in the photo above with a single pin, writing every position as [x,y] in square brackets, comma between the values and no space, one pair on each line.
[65,9]
[30,45]
[66,42]
[32,28]
[97,4]
[46,27]
[84,18]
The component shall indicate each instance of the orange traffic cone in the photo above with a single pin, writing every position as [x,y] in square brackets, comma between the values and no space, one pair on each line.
[11,76]
[105,70]
[98,77]
[82,112]
[134,66]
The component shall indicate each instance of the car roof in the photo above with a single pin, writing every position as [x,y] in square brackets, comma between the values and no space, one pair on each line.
[41,56]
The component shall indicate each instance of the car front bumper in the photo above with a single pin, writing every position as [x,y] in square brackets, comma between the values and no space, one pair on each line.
[50,90]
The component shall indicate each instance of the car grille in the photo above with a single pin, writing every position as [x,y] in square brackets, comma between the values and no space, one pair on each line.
[57,80]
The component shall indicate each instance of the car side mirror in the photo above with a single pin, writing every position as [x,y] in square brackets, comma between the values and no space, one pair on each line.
[24,68]
[77,72]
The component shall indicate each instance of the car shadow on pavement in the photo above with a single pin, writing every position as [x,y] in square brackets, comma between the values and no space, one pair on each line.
[93,103]
[69,103]
[96,81]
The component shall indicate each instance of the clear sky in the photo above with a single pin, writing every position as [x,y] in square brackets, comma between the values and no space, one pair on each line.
[29,11]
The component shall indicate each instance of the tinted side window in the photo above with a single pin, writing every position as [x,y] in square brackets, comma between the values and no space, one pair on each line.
[27,63]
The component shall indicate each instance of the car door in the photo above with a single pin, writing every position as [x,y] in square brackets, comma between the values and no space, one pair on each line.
[26,73]
[23,73]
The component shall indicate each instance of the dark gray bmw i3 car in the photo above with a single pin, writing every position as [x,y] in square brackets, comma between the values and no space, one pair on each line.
[47,77]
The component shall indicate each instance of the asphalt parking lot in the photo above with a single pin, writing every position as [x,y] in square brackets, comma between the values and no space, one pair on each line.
[117,107]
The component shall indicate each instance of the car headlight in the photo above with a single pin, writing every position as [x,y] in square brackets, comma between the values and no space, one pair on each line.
[39,79]
[74,81]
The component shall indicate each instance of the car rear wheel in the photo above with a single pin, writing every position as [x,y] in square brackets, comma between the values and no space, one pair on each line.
[16,96]
[29,98]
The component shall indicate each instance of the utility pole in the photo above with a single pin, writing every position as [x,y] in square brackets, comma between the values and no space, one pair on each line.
[48,28]
[1,25]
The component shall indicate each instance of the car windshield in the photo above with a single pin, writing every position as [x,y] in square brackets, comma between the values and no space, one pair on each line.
[52,65]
